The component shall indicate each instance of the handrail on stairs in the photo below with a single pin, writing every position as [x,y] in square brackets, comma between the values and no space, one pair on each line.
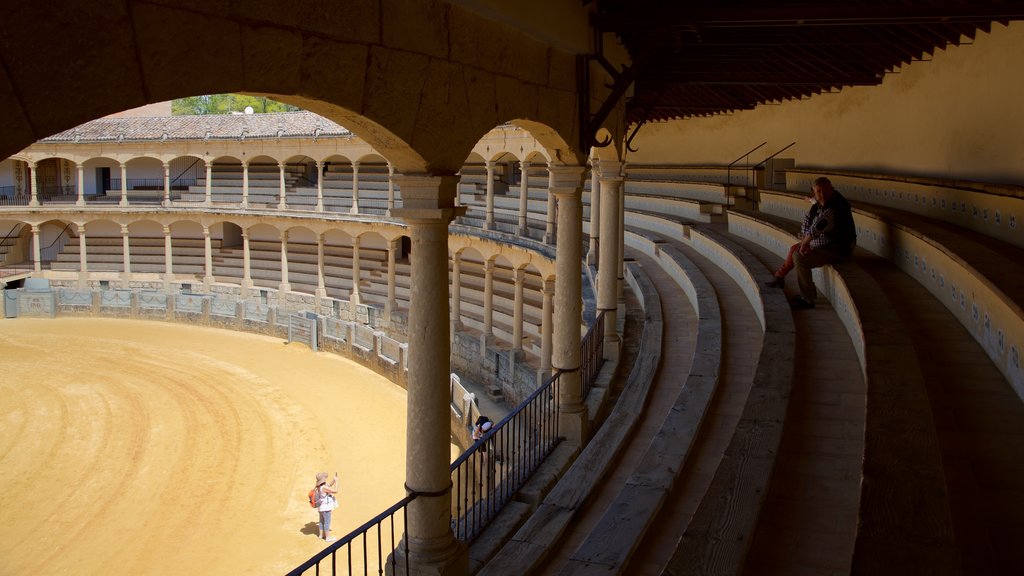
[728,169]
[780,151]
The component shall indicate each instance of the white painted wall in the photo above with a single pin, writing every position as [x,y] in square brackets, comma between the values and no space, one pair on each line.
[956,116]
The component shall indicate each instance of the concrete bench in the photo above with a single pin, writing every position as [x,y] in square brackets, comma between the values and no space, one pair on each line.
[904,525]
[533,534]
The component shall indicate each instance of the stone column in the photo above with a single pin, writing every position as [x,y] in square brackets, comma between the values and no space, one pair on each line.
[321,286]
[489,218]
[83,258]
[355,187]
[168,258]
[356,274]
[391,188]
[428,208]
[246,263]
[389,304]
[245,184]
[456,297]
[524,197]
[124,186]
[621,239]
[209,183]
[81,186]
[285,285]
[208,260]
[319,186]
[126,255]
[281,205]
[167,185]
[608,264]
[548,291]
[519,275]
[549,229]
[37,250]
[595,213]
[566,184]
[34,198]
[488,301]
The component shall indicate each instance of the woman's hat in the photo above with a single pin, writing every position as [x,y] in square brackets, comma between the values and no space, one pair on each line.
[321,477]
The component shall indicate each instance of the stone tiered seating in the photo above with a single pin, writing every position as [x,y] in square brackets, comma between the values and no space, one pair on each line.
[913,507]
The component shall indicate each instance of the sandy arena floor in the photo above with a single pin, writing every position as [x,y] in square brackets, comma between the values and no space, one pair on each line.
[137,447]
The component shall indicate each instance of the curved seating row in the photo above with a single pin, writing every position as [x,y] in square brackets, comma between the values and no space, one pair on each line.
[527,547]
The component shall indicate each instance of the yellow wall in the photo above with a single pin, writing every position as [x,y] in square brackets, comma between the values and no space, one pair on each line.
[958,115]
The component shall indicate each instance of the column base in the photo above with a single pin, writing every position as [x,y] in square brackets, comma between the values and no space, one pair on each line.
[486,340]
[453,560]
[574,426]
[80,202]
[549,238]
[612,348]
[354,209]
[207,283]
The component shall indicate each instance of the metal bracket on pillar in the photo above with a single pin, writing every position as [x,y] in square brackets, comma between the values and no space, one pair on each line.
[622,80]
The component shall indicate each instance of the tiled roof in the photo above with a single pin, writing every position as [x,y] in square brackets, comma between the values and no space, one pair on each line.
[210,127]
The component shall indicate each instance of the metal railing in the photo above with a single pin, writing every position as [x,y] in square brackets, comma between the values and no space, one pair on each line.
[488,474]
[367,549]
[593,354]
[728,169]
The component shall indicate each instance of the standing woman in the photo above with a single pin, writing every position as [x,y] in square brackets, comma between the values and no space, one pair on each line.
[327,503]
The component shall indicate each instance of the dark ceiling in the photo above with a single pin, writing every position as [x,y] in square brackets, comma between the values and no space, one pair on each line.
[698,58]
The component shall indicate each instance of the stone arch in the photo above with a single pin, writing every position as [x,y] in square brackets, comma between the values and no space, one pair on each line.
[355,64]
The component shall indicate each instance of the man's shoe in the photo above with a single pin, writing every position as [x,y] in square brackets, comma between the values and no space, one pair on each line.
[775,282]
[798,303]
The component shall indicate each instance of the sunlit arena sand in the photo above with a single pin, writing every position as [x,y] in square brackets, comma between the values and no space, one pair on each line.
[138,447]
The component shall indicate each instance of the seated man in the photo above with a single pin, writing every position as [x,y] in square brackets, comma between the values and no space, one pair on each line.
[831,236]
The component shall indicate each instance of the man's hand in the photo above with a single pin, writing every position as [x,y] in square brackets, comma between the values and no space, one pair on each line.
[805,244]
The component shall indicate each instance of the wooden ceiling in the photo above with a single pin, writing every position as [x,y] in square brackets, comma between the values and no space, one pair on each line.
[705,57]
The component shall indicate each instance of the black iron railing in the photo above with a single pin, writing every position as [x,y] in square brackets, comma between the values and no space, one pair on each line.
[366,550]
[593,354]
[488,474]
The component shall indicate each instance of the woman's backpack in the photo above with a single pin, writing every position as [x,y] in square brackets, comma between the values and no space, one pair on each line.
[314,497]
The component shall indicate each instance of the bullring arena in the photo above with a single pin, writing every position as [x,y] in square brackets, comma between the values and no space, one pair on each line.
[138,447]
[580,206]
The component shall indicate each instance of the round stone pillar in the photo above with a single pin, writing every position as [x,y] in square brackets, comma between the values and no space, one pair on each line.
[83,260]
[81,185]
[167,185]
[566,185]
[285,284]
[124,186]
[428,208]
[546,328]
[489,214]
[208,201]
[168,258]
[609,257]
[524,198]
[595,212]
[281,205]
[519,275]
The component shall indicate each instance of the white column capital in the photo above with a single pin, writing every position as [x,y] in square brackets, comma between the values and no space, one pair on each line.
[124,229]
[610,171]
[80,228]
[427,198]
[565,180]
[167,230]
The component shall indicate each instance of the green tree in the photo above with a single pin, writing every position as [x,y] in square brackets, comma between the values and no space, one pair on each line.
[226,104]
